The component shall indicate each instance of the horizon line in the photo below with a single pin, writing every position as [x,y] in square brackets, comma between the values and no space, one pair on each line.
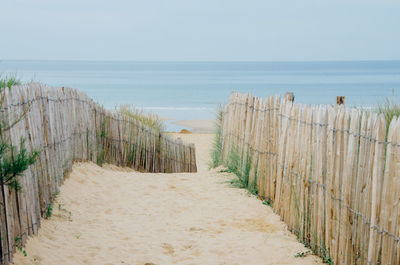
[204,61]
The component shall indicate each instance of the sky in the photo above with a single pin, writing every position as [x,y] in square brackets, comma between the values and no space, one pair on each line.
[200,30]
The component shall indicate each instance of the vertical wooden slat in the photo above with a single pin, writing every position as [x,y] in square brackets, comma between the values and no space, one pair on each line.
[388,220]
[258,121]
[326,179]
[349,174]
[65,126]
[263,146]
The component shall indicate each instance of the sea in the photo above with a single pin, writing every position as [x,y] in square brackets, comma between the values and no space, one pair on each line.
[194,90]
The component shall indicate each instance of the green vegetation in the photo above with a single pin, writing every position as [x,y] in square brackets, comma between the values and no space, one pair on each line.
[267,202]
[389,108]
[241,167]
[18,245]
[235,162]
[13,160]
[242,171]
[103,135]
[326,257]
[9,81]
[148,119]
[322,251]
[319,250]
[216,152]
[302,254]
[233,165]
[49,210]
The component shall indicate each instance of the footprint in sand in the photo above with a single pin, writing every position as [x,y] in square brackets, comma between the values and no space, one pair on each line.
[187,247]
[169,249]
[195,229]
[37,260]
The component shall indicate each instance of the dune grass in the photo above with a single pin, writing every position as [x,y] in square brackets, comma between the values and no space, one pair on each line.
[390,109]
[148,119]
[234,165]
[8,81]
[216,151]
[237,162]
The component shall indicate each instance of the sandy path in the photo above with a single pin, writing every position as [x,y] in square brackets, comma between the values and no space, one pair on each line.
[197,126]
[113,216]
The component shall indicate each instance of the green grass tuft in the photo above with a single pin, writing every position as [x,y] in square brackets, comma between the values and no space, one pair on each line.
[102,134]
[233,161]
[18,245]
[148,119]
[216,152]
[241,168]
[49,210]
[390,109]
[267,202]
[302,254]
[8,81]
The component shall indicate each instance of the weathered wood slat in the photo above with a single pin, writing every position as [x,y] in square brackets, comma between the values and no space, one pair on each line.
[331,173]
[65,126]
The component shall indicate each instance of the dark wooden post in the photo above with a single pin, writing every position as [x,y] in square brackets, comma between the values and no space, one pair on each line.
[340,100]
[289,96]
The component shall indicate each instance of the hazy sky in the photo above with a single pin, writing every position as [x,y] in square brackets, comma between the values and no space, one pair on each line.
[200,30]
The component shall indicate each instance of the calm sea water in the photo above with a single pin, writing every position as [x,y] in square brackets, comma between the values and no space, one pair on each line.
[192,90]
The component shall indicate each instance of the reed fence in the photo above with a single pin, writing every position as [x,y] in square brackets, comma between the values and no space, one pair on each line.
[331,173]
[65,125]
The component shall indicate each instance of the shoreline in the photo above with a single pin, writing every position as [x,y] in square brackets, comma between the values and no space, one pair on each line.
[196,126]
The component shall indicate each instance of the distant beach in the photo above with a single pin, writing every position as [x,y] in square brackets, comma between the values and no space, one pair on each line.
[198,126]
[185,91]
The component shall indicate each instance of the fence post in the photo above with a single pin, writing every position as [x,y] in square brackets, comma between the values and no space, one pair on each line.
[340,100]
[289,96]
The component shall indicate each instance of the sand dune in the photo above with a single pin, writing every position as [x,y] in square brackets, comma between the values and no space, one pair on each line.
[110,215]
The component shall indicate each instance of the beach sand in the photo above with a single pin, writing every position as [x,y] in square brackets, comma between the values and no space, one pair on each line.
[197,126]
[111,215]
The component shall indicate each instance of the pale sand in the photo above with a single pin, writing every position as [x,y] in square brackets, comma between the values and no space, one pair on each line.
[197,126]
[111,215]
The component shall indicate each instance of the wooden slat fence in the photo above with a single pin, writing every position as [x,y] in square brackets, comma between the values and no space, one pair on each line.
[331,173]
[65,125]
